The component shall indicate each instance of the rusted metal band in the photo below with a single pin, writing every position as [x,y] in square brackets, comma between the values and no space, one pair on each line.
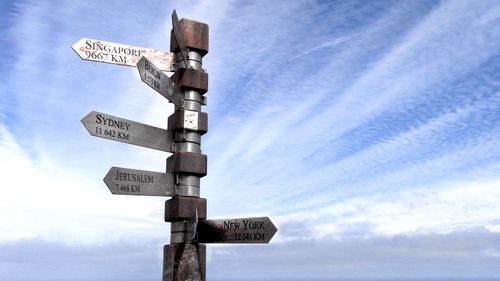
[183,208]
[195,36]
[187,163]
[191,79]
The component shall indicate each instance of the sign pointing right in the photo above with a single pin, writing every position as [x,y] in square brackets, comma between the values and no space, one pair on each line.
[241,230]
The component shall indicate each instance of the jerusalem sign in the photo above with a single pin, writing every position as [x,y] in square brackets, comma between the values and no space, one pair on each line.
[138,182]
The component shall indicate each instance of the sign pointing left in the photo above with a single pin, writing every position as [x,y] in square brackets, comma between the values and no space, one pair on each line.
[123,130]
[114,53]
[138,182]
[159,81]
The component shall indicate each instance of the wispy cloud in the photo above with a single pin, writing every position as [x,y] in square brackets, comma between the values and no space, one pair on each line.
[44,200]
[471,253]
[303,155]
[376,121]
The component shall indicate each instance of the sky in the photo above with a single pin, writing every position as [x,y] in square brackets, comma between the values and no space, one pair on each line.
[368,131]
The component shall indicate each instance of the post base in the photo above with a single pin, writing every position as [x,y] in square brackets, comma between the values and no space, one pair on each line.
[184,262]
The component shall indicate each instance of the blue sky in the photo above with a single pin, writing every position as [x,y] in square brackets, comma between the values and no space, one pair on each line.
[369,131]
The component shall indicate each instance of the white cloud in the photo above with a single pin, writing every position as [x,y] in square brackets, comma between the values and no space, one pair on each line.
[289,87]
[43,199]
[448,207]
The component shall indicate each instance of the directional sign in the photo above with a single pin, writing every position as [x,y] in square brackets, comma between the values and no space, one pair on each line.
[114,53]
[242,230]
[159,81]
[179,38]
[138,182]
[119,129]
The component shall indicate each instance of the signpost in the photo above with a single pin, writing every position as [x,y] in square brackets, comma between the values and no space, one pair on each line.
[159,81]
[123,130]
[241,230]
[114,53]
[138,182]
[185,257]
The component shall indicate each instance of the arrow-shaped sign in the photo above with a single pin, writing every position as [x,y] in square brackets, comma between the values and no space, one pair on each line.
[159,81]
[119,129]
[241,230]
[138,182]
[179,38]
[114,53]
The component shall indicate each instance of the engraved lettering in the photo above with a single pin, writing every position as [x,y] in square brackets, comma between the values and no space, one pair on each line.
[253,224]
[151,70]
[98,119]
[132,177]
[258,236]
[135,188]
[231,225]
[88,44]
[112,122]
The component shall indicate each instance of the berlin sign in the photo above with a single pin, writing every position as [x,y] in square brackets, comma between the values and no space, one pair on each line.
[159,81]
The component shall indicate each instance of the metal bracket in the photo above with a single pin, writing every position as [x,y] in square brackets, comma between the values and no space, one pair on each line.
[177,183]
[191,226]
[185,190]
[181,103]
[185,231]
[179,136]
